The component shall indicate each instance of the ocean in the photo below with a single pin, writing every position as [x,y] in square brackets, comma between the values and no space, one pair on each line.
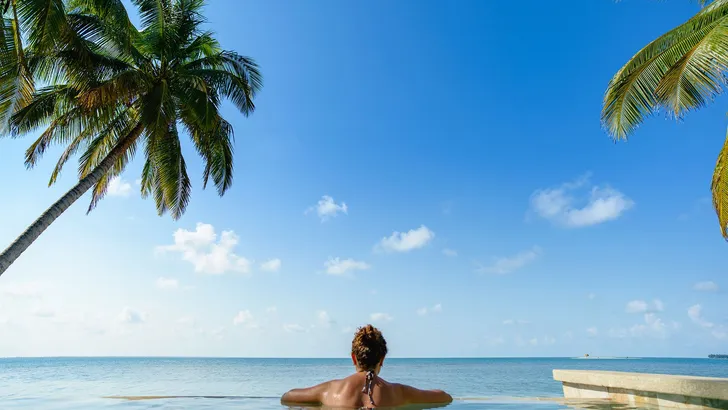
[256,384]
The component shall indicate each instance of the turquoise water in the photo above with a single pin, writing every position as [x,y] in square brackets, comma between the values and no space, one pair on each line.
[256,384]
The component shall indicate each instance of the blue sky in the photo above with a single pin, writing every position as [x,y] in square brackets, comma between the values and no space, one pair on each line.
[436,168]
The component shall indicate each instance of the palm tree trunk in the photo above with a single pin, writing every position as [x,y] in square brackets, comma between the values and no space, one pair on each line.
[32,233]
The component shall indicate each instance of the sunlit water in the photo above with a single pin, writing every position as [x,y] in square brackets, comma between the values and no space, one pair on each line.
[256,384]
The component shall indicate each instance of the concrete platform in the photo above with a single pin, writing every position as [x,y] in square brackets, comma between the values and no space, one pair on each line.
[650,390]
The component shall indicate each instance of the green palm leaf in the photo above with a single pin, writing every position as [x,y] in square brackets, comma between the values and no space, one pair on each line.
[632,93]
[719,188]
[682,70]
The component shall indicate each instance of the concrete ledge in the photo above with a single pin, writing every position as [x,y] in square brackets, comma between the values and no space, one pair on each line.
[636,389]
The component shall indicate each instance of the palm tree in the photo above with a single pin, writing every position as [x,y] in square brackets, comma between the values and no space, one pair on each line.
[114,89]
[680,71]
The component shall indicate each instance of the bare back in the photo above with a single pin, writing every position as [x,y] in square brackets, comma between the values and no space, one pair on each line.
[350,393]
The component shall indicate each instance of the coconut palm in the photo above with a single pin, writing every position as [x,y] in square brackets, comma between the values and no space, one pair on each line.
[680,71]
[114,90]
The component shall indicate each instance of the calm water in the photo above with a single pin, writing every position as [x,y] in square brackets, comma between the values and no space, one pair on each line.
[82,383]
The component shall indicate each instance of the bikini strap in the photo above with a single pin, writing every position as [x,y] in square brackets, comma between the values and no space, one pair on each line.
[369,386]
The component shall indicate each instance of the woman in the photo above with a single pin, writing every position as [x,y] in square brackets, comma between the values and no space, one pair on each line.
[365,388]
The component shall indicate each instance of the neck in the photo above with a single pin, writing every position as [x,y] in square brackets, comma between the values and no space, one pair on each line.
[375,370]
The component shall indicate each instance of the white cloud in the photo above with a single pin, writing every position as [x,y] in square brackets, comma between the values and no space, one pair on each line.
[167,283]
[533,342]
[294,328]
[708,286]
[208,255]
[381,317]
[272,309]
[218,333]
[118,187]
[22,290]
[449,252]
[435,309]
[504,265]
[44,312]
[640,306]
[509,322]
[720,333]
[557,204]
[636,306]
[406,241]
[495,341]
[336,266]
[592,331]
[131,316]
[244,317]
[652,327]
[324,320]
[548,340]
[187,321]
[695,313]
[618,333]
[272,265]
[328,208]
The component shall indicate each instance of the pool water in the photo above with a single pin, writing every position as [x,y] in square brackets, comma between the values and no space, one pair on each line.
[256,384]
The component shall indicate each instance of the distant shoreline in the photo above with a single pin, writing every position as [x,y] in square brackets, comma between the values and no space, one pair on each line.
[345,358]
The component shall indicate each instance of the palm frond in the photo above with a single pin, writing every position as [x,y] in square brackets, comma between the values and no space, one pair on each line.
[697,77]
[185,25]
[216,148]
[61,131]
[46,104]
[105,23]
[151,181]
[106,122]
[16,80]
[120,89]
[198,101]
[155,16]
[99,149]
[8,73]
[719,188]
[44,21]
[172,173]
[204,45]
[157,109]
[632,93]
[107,138]
[233,76]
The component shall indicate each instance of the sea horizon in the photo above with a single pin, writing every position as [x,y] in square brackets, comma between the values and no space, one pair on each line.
[347,358]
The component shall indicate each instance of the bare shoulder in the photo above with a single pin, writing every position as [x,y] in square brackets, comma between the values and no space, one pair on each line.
[309,395]
[413,395]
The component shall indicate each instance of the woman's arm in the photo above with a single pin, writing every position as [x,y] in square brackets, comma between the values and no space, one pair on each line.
[309,395]
[416,396]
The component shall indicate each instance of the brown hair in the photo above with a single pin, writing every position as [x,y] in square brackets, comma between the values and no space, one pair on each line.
[368,347]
